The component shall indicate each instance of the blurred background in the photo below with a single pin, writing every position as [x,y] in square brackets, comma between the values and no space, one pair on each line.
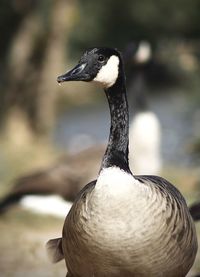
[44,127]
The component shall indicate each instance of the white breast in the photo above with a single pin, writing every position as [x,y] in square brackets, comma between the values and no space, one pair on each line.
[144,146]
[118,183]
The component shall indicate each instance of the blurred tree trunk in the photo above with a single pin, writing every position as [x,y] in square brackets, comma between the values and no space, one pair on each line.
[21,77]
[54,62]
[37,56]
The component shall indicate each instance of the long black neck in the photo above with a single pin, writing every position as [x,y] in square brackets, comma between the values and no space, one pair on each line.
[117,150]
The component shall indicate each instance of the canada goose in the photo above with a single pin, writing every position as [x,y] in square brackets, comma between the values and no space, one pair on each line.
[64,178]
[145,156]
[122,224]
[35,190]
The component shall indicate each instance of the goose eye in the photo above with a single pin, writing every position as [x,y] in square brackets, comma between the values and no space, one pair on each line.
[101,58]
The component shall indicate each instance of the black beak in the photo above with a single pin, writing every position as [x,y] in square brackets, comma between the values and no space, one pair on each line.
[78,73]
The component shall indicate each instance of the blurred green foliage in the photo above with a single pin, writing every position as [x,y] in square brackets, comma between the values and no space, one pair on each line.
[110,22]
[116,22]
[12,14]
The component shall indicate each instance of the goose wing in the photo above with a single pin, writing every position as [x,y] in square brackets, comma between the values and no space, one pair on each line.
[54,250]
[54,247]
[176,211]
[162,185]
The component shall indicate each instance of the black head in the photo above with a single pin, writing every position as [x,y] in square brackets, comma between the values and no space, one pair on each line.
[97,64]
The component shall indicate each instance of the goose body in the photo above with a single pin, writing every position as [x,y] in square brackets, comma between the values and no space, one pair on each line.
[118,230]
[121,224]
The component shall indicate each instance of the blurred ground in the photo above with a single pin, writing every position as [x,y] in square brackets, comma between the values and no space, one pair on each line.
[22,244]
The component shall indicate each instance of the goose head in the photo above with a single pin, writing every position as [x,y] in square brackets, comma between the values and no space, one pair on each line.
[101,65]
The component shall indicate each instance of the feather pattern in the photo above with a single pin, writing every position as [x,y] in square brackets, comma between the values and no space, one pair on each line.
[161,229]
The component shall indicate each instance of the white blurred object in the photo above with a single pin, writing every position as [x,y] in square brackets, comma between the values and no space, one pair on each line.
[143,53]
[144,145]
[51,205]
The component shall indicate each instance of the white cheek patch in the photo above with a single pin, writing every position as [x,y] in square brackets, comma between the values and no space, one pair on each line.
[108,74]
